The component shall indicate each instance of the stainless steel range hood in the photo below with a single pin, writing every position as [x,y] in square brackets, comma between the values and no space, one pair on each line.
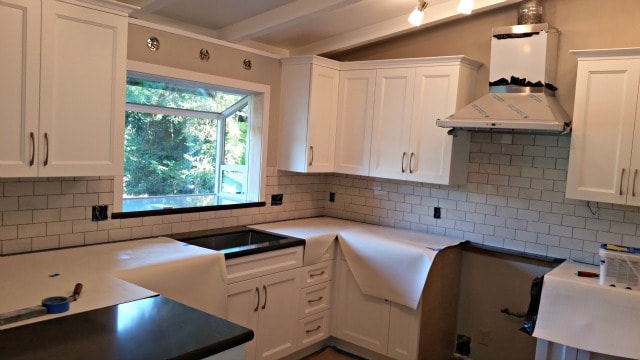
[521,92]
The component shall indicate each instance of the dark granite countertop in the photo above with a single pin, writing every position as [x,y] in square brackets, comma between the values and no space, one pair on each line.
[199,238]
[151,328]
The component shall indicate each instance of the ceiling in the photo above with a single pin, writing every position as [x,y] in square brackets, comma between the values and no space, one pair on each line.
[297,27]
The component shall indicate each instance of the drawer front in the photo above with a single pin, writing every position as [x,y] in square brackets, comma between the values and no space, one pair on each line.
[317,273]
[315,299]
[313,329]
[252,266]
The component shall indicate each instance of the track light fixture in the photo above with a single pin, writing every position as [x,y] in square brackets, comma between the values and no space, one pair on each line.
[465,7]
[417,15]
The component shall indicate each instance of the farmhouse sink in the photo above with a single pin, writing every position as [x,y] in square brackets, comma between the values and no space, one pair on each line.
[240,242]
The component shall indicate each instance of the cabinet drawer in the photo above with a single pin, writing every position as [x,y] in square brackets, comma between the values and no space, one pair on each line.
[252,266]
[317,273]
[313,329]
[315,299]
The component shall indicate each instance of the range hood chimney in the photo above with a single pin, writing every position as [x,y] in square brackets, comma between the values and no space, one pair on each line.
[521,89]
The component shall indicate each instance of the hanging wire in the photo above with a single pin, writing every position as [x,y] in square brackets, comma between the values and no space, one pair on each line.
[591,210]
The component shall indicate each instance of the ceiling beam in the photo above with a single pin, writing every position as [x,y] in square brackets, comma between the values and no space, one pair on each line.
[434,14]
[151,7]
[291,13]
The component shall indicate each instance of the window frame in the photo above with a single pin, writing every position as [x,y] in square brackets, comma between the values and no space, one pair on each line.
[257,137]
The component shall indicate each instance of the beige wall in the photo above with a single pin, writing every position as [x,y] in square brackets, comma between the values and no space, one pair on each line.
[182,52]
[583,24]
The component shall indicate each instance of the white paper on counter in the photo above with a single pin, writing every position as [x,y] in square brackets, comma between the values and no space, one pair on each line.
[318,233]
[391,264]
[580,313]
[27,278]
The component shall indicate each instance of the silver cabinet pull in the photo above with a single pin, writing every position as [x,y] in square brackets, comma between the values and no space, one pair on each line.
[315,300]
[404,155]
[316,274]
[310,155]
[33,149]
[314,329]
[621,177]
[633,189]
[411,163]
[257,302]
[46,154]
[264,287]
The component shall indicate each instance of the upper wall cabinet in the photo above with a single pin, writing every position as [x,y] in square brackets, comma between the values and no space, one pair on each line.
[406,143]
[354,122]
[63,89]
[384,123]
[604,156]
[309,99]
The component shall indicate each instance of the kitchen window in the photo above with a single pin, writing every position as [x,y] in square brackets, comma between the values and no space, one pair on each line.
[190,145]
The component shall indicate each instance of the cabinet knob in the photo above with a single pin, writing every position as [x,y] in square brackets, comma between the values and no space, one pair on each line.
[404,155]
[310,155]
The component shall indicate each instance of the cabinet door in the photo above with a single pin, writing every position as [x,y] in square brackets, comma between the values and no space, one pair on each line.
[19,75]
[603,126]
[404,332]
[436,157]
[633,189]
[359,318]
[277,335]
[243,306]
[323,109]
[82,103]
[355,119]
[392,123]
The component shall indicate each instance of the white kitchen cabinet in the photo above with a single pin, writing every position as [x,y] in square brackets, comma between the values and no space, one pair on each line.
[392,123]
[604,156]
[309,107]
[67,69]
[20,75]
[316,300]
[406,143]
[546,350]
[260,296]
[394,330]
[355,119]
[358,318]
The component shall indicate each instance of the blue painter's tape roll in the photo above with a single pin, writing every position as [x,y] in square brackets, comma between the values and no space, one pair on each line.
[56,304]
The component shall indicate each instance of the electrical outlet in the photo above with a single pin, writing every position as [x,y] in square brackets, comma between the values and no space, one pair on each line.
[332,197]
[276,199]
[99,212]
[483,336]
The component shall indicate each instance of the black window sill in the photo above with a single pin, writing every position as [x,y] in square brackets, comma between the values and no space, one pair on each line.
[137,214]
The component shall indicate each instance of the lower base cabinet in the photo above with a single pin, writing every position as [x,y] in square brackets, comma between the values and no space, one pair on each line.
[394,330]
[265,303]
[373,323]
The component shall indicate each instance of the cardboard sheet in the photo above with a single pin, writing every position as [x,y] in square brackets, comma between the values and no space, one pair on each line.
[28,278]
[580,313]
